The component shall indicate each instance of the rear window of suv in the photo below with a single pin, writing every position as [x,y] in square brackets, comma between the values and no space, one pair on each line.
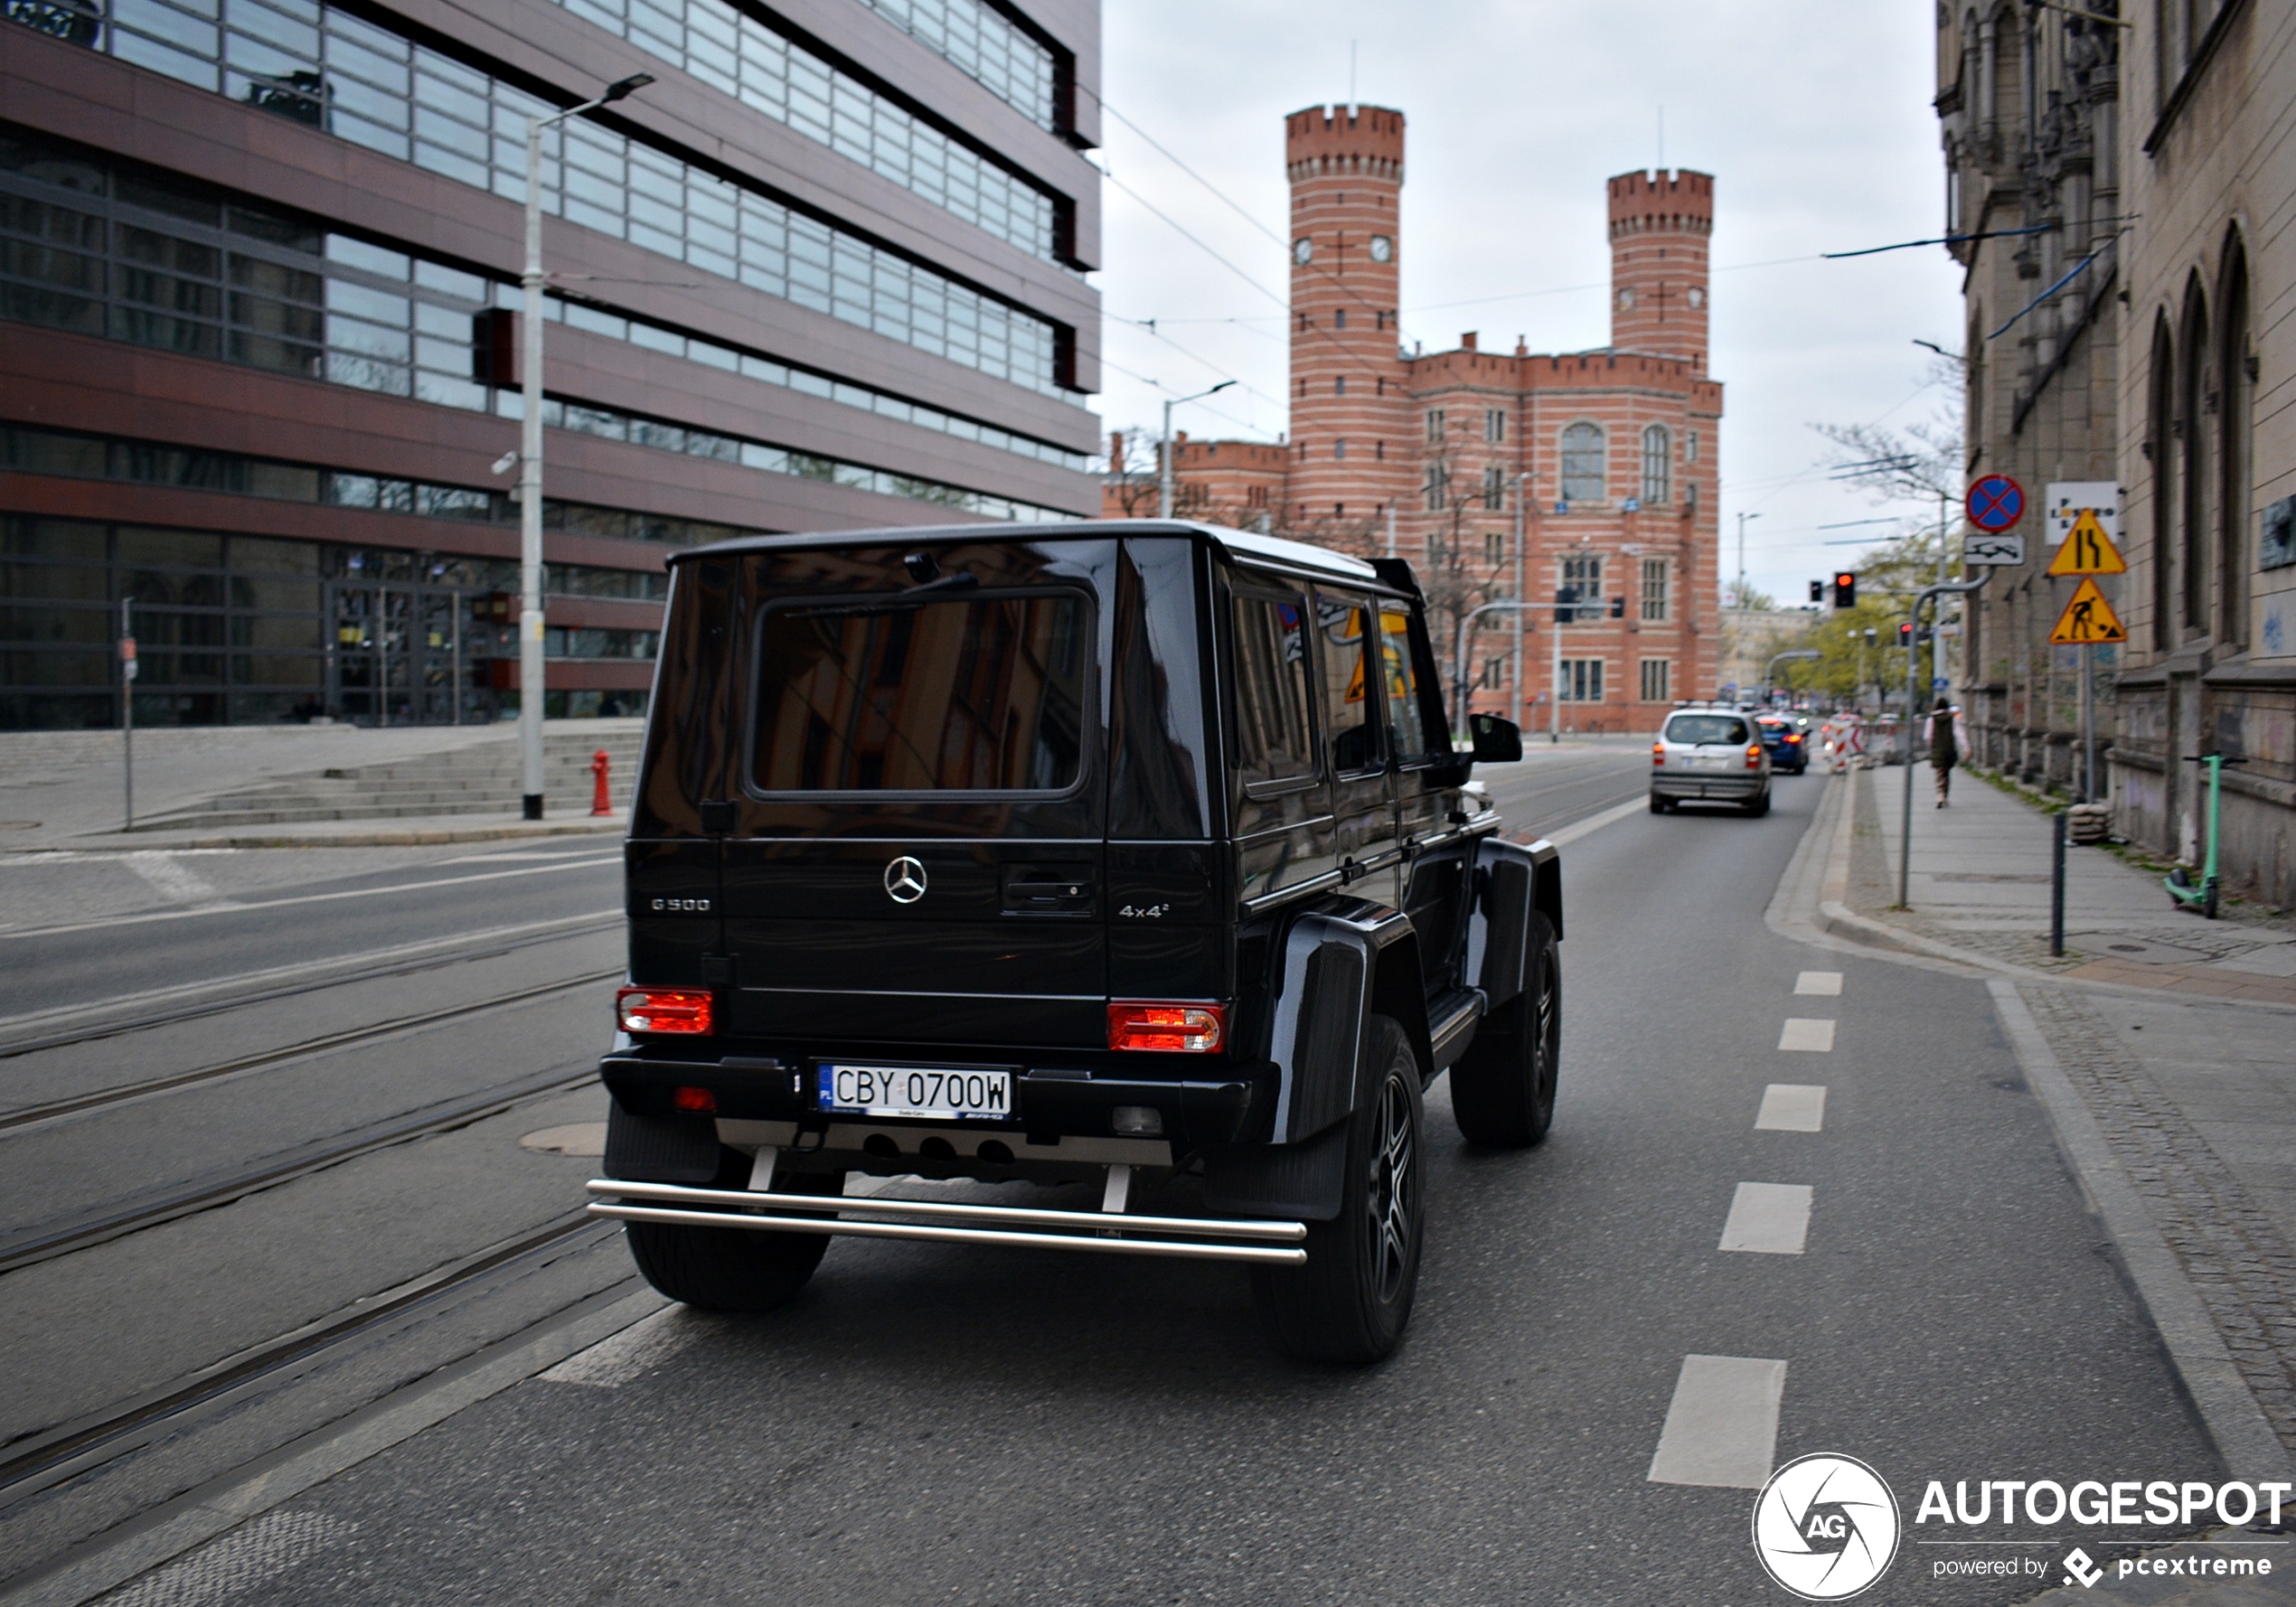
[970,694]
[1705,727]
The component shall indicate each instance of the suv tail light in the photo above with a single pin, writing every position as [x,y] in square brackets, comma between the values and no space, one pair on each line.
[1754,755]
[1657,752]
[662,1009]
[1171,1029]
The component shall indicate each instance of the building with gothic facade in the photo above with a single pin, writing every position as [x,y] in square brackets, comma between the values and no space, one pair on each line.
[2123,190]
[1586,479]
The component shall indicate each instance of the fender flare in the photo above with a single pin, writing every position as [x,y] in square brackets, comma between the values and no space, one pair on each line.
[1341,964]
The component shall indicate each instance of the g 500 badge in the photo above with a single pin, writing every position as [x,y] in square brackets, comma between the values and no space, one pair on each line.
[682,906]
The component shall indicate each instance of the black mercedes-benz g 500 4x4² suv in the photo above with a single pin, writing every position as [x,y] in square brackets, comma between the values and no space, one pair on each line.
[1132,855]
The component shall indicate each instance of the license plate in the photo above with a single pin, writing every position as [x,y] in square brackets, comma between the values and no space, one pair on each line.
[1706,763]
[939,1092]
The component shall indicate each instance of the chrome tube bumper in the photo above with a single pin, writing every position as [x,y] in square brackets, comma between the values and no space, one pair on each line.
[948,1222]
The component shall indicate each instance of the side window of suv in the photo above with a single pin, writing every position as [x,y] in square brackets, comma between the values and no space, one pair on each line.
[1342,622]
[1407,717]
[1278,748]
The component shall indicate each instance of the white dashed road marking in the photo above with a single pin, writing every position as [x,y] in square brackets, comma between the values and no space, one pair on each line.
[1768,1218]
[1817,982]
[237,1562]
[1802,1032]
[1793,1108]
[638,1348]
[1722,1425]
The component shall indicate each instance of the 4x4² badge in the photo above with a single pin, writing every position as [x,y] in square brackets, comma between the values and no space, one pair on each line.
[905,881]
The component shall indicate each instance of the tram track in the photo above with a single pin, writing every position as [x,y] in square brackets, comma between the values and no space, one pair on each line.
[46,1458]
[26,1115]
[556,932]
[92,1228]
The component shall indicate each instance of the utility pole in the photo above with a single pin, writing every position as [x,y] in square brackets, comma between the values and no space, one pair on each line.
[1522,593]
[1164,469]
[1742,519]
[532,667]
[127,708]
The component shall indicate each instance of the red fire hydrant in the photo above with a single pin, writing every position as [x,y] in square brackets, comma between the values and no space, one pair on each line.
[599,766]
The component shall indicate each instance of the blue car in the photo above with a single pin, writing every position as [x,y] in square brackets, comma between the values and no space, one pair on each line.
[1787,736]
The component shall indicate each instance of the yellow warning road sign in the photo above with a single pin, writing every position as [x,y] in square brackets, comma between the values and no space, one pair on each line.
[2087,549]
[2088,618]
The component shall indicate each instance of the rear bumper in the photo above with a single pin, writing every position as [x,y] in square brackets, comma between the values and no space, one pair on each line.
[1694,785]
[1077,1098]
[1110,1233]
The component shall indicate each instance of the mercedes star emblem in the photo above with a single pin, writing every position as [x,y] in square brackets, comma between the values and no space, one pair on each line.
[905,881]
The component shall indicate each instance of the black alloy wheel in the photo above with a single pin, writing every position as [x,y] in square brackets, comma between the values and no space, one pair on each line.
[1351,1301]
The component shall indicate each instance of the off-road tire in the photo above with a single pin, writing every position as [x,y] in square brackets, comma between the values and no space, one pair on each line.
[1659,805]
[733,1269]
[1502,1090]
[1351,1301]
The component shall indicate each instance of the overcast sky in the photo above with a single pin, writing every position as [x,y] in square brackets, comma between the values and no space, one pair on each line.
[1813,116]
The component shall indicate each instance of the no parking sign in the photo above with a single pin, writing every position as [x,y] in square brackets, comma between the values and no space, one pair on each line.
[1995,504]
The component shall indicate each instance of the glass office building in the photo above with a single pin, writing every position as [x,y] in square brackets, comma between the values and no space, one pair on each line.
[258,270]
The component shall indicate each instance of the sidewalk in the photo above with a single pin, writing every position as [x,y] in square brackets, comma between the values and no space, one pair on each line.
[2159,1040]
[1980,885]
[64,789]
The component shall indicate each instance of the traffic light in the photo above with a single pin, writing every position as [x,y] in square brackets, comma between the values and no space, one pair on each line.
[1817,591]
[1905,632]
[1844,589]
[1565,604]
[1618,607]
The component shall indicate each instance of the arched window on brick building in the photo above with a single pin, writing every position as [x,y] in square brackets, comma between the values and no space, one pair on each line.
[1585,464]
[1658,466]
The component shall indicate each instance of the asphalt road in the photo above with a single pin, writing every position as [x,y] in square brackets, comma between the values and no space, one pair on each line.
[931,1423]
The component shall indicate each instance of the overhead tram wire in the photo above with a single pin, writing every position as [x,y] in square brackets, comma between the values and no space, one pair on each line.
[1240,209]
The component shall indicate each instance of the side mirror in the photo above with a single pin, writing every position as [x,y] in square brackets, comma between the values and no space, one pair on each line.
[1497,741]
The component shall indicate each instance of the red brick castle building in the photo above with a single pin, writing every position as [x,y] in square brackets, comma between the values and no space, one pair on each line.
[1613,451]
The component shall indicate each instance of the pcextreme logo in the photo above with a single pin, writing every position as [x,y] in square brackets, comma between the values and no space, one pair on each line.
[1825,1527]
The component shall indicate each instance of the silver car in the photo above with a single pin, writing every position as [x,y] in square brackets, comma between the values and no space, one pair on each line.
[1709,755]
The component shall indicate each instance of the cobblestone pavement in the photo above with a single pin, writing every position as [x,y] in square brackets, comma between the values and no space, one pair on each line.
[2235,1256]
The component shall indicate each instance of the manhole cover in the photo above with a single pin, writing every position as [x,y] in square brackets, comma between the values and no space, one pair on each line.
[2137,948]
[583,1137]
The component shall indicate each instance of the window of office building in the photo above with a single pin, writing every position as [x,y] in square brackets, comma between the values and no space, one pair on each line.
[1657,674]
[1582,680]
[239,629]
[733,51]
[1583,582]
[320,66]
[986,47]
[1585,464]
[1494,487]
[1654,586]
[1494,425]
[378,90]
[1658,466]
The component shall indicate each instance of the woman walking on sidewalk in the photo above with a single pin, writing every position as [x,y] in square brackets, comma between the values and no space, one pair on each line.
[1943,731]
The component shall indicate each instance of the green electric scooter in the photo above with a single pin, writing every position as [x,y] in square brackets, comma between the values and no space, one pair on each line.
[2181,887]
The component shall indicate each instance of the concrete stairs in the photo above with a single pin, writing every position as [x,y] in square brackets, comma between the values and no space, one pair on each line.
[481,778]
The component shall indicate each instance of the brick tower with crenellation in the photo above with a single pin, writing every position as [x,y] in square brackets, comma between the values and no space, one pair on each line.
[1660,225]
[1613,454]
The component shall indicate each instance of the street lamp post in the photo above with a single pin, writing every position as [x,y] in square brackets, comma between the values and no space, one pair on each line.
[1163,471]
[1771,670]
[1522,595]
[1742,519]
[530,666]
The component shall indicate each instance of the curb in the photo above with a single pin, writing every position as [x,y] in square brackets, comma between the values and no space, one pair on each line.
[421,837]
